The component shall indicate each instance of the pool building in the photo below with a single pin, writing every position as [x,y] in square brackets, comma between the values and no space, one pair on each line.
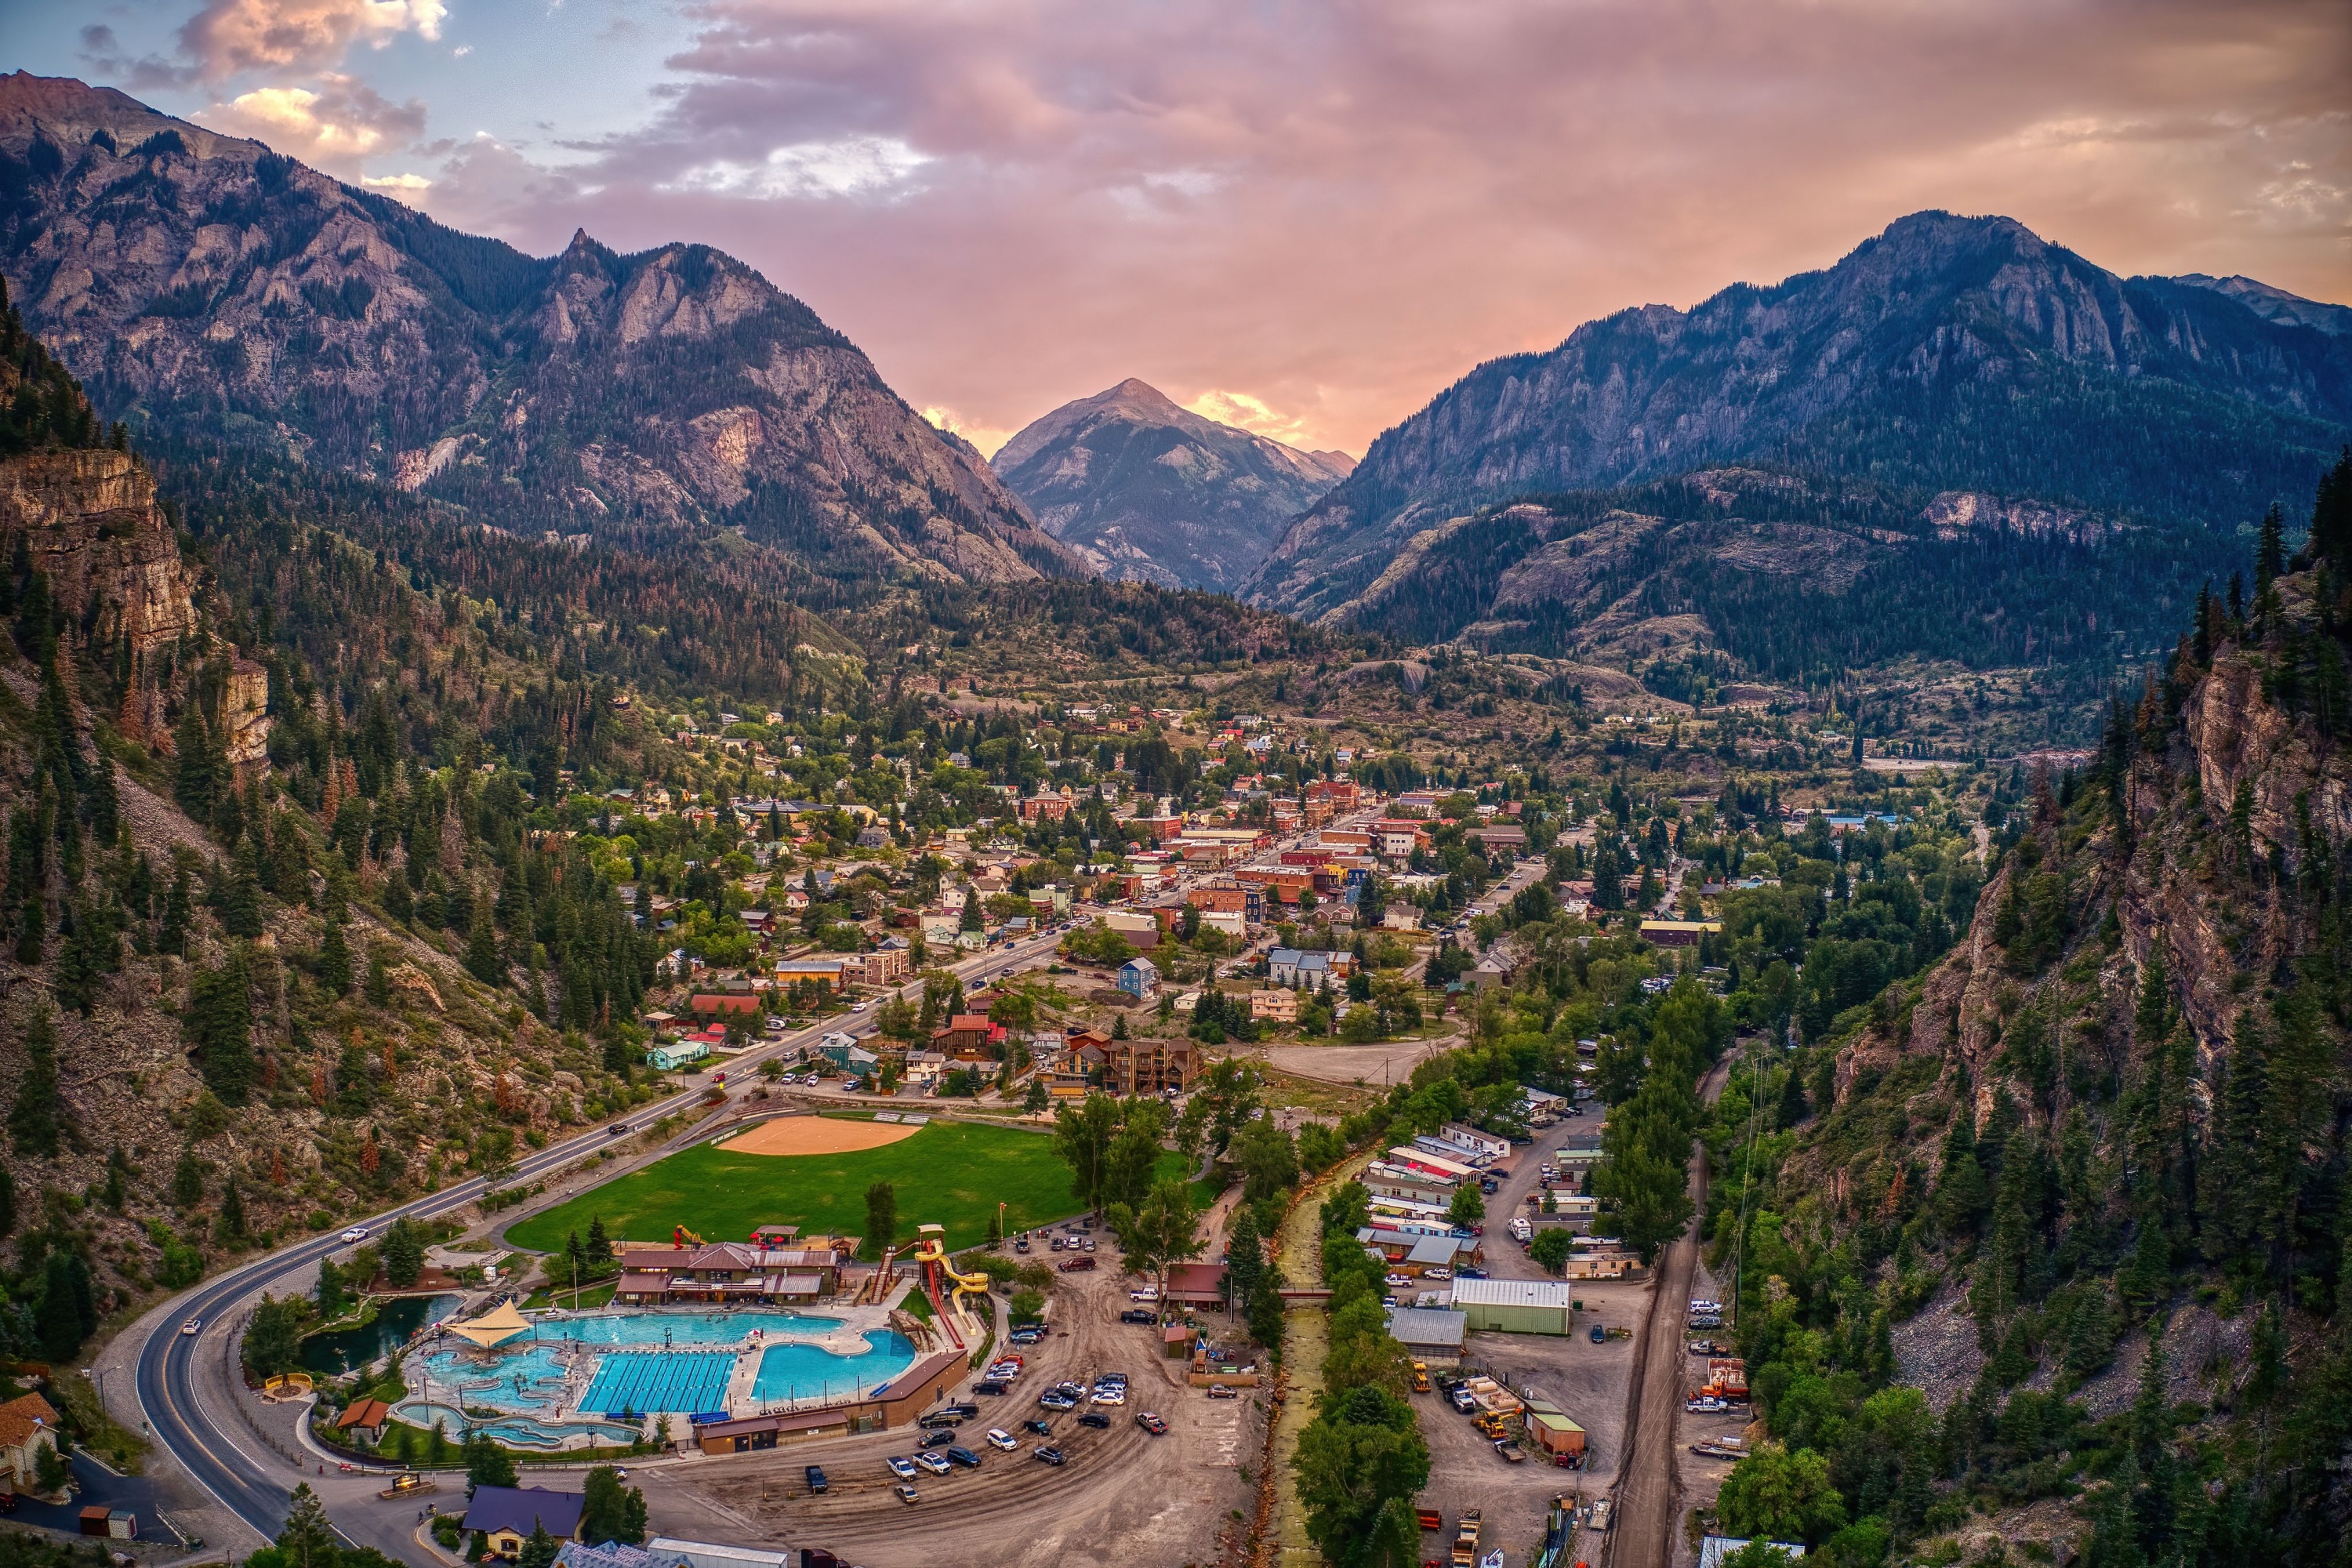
[774,1266]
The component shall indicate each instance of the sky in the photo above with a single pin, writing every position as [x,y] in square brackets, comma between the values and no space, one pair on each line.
[1303,218]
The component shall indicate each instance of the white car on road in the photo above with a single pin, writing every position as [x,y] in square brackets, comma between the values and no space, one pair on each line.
[356,1233]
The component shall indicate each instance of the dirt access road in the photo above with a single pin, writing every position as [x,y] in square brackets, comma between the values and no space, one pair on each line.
[1649,1495]
[1124,1498]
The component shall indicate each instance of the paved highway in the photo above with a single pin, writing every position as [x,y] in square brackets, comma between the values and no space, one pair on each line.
[206,1443]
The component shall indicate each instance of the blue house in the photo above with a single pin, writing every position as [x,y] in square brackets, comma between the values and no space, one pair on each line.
[1290,968]
[1137,976]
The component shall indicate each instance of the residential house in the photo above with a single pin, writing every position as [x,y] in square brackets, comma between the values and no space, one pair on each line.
[886,965]
[506,1516]
[1289,966]
[1678,934]
[1138,977]
[27,1425]
[1275,1003]
[968,1036]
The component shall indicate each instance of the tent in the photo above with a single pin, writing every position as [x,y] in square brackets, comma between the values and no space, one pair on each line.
[495,1327]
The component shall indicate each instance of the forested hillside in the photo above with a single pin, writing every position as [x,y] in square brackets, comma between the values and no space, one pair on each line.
[2065,1217]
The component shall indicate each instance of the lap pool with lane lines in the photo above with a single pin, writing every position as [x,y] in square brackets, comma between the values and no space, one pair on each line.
[631,1382]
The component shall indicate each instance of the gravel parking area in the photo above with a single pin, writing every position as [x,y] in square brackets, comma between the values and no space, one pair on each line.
[1125,1497]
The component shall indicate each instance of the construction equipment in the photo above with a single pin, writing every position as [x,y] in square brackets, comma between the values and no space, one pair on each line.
[1421,1377]
[1465,1538]
[679,1237]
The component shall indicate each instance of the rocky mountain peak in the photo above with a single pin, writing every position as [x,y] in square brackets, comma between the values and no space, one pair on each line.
[245,299]
[1149,490]
[1946,352]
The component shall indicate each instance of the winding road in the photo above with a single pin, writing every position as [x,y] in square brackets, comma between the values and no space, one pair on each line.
[168,1365]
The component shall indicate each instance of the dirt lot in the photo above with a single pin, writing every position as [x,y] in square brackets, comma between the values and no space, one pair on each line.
[1372,1066]
[1587,1380]
[1125,1497]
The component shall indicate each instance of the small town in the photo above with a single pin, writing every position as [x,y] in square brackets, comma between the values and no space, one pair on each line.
[1074,783]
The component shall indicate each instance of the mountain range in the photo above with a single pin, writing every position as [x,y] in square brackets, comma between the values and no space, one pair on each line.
[206,288]
[1148,491]
[1948,355]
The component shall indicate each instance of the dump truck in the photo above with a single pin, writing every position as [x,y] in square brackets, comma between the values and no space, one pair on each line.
[1465,1538]
[1727,1379]
[1421,1377]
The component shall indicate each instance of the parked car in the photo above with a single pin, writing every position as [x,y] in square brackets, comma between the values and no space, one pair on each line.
[1223,1391]
[1702,1347]
[1112,1393]
[1600,1335]
[1148,1294]
[816,1482]
[991,1386]
[1707,1405]
[932,1463]
[1437,1274]
[998,1438]
[1077,1265]
[938,1438]
[1089,1244]
[946,1416]
[901,1467]
[1396,1281]
[908,1494]
[1051,1456]
[1139,1315]
[1054,1399]
[1059,1244]
[1039,1427]
[1096,1419]
[964,1456]
[1152,1424]
[1463,1401]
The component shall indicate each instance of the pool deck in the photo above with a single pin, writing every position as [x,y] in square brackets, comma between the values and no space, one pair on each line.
[551,1405]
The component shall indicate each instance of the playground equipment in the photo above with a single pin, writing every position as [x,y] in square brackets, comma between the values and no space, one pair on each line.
[286,1386]
[931,1252]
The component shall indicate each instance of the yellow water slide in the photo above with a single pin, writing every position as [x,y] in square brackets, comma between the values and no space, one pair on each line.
[931,1247]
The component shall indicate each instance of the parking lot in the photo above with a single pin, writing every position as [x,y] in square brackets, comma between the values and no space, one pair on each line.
[1124,1496]
[1590,1381]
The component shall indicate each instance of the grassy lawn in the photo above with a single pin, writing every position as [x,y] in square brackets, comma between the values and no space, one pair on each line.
[949,1172]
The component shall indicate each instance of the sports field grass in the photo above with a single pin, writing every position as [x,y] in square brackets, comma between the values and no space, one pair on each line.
[949,1172]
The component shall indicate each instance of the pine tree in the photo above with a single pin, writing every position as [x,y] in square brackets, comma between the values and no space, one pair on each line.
[482,961]
[116,1191]
[177,908]
[195,777]
[187,1180]
[228,1226]
[335,960]
[600,1246]
[34,1126]
[308,1540]
[219,1028]
[83,962]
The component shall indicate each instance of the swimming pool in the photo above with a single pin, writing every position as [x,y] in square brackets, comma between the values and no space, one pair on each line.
[800,1372]
[680,1328]
[635,1381]
[529,1378]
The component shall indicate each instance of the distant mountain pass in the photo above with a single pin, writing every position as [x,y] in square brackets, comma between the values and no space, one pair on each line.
[1150,491]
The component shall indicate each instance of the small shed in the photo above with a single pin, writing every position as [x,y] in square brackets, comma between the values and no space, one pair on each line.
[1432,1335]
[1553,1432]
[1176,1341]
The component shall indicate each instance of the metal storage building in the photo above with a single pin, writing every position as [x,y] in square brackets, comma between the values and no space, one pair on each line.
[1515,1306]
[1431,1334]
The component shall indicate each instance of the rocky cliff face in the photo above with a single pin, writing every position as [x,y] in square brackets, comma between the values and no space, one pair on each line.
[88,522]
[219,292]
[1151,493]
[1947,353]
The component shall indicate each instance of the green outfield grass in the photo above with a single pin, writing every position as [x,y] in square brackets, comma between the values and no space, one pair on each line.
[949,1172]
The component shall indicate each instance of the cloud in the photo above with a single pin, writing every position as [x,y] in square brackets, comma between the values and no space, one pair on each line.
[856,165]
[1343,204]
[398,184]
[334,126]
[231,36]
[987,438]
[1245,411]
